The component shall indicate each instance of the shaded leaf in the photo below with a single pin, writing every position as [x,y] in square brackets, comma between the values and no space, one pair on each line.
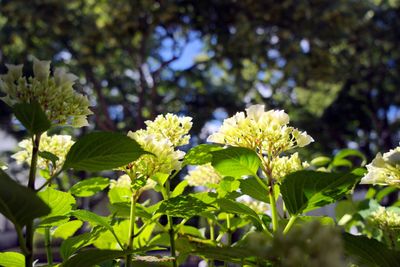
[92,257]
[70,245]
[370,252]
[18,203]
[200,154]
[182,206]
[303,191]
[32,117]
[252,188]
[100,151]
[231,206]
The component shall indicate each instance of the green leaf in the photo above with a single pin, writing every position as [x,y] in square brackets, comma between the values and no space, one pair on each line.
[32,117]
[370,252]
[89,187]
[252,188]
[179,188]
[303,191]
[19,204]
[92,257]
[235,162]
[320,161]
[49,156]
[227,185]
[12,259]
[160,178]
[72,244]
[200,154]
[234,207]
[61,203]
[100,151]
[182,206]
[92,218]
[384,192]
[67,229]
[344,153]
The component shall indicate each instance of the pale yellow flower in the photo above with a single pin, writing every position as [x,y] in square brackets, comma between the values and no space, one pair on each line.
[170,127]
[264,131]
[258,206]
[163,159]
[203,175]
[124,181]
[384,170]
[58,145]
[282,166]
[55,94]
[386,219]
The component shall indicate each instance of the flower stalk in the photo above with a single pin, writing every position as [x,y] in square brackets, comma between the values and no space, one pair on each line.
[31,184]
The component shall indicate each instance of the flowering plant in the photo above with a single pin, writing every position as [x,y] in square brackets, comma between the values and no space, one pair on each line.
[248,190]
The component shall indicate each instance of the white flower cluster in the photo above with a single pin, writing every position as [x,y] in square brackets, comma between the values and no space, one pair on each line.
[124,181]
[55,94]
[161,137]
[265,131]
[203,175]
[386,219]
[58,145]
[384,169]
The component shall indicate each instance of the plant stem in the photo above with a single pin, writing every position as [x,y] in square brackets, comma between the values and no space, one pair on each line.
[171,226]
[228,232]
[212,238]
[47,244]
[274,212]
[31,185]
[289,224]
[132,221]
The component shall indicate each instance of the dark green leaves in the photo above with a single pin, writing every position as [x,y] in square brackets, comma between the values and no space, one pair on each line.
[200,154]
[89,187]
[235,162]
[303,191]
[18,203]
[252,188]
[32,117]
[370,252]
[182,206]
[102,151]
[234,207]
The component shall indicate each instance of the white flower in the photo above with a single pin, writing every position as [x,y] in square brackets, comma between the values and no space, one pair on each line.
[56,96]
[266,132]
[384,169]
[203,175]
[58,145]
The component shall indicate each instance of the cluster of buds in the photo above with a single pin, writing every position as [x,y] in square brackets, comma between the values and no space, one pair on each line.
[161,138]
[55,94]
[203,175]
[58,145]
[267,133]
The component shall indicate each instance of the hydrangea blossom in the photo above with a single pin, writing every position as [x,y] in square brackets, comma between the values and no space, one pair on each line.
[258,206]
[161,137]
[203,175]
[384,169]
[386,219]
[264,131]
[282,166]
[58,145]
[55,94]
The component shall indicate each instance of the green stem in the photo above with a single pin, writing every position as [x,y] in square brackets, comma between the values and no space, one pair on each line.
[289,224]
[47,244]
[274,212]
[212,238]
[31,184]
[171,226]
[132,221]
[228,233]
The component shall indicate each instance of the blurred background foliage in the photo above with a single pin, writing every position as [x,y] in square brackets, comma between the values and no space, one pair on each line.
[332,65]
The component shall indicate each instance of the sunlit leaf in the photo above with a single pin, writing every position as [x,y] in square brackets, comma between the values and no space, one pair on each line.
[102,151]
[89,187]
